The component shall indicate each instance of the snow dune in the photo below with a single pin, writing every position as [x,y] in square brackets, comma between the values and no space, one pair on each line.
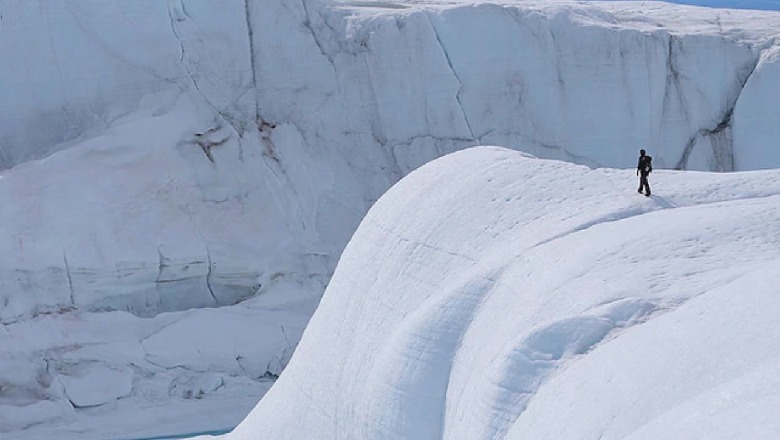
[491,295]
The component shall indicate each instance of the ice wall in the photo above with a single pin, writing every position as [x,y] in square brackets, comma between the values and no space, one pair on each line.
[584,82]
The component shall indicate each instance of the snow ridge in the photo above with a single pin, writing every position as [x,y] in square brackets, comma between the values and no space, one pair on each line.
[482,279]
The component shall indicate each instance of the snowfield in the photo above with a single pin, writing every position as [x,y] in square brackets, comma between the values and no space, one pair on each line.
[489,295]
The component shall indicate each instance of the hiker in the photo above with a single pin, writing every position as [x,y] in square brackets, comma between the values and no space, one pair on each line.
[643,168]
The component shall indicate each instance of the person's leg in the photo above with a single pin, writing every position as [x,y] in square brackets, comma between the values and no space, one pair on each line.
[643,186]
[647,187]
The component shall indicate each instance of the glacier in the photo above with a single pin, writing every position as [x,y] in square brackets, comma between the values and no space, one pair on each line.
[491,295]
[179,168]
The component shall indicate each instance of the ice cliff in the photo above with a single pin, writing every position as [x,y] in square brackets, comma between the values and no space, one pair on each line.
[161,156]
[264,131]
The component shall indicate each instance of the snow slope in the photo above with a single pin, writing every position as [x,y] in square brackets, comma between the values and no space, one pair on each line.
[163,158]
[489,295]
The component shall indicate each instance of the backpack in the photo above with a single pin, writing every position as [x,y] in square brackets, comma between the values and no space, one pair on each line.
[647,164]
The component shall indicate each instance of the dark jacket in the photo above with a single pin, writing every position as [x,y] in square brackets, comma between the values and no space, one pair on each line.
[645,165]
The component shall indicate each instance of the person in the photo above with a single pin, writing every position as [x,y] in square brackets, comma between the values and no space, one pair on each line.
[643,169]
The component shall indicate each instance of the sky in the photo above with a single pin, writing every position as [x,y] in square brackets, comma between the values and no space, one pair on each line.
[747,4]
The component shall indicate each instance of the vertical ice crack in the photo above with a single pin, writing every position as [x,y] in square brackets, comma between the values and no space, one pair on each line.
[182,60]
[183,52]
[252,59]
[181,46]
[161,265]
[720,137]
[722,141]
[286,339]
[458,96]
[672,86]
[307,24]
[70,278]
[184,10]
[682,164]
[208,254]
[673,77]
[208,279]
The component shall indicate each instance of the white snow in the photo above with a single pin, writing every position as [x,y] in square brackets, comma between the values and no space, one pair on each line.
[113,375]
[180,177]
[493,295]
[88,384]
